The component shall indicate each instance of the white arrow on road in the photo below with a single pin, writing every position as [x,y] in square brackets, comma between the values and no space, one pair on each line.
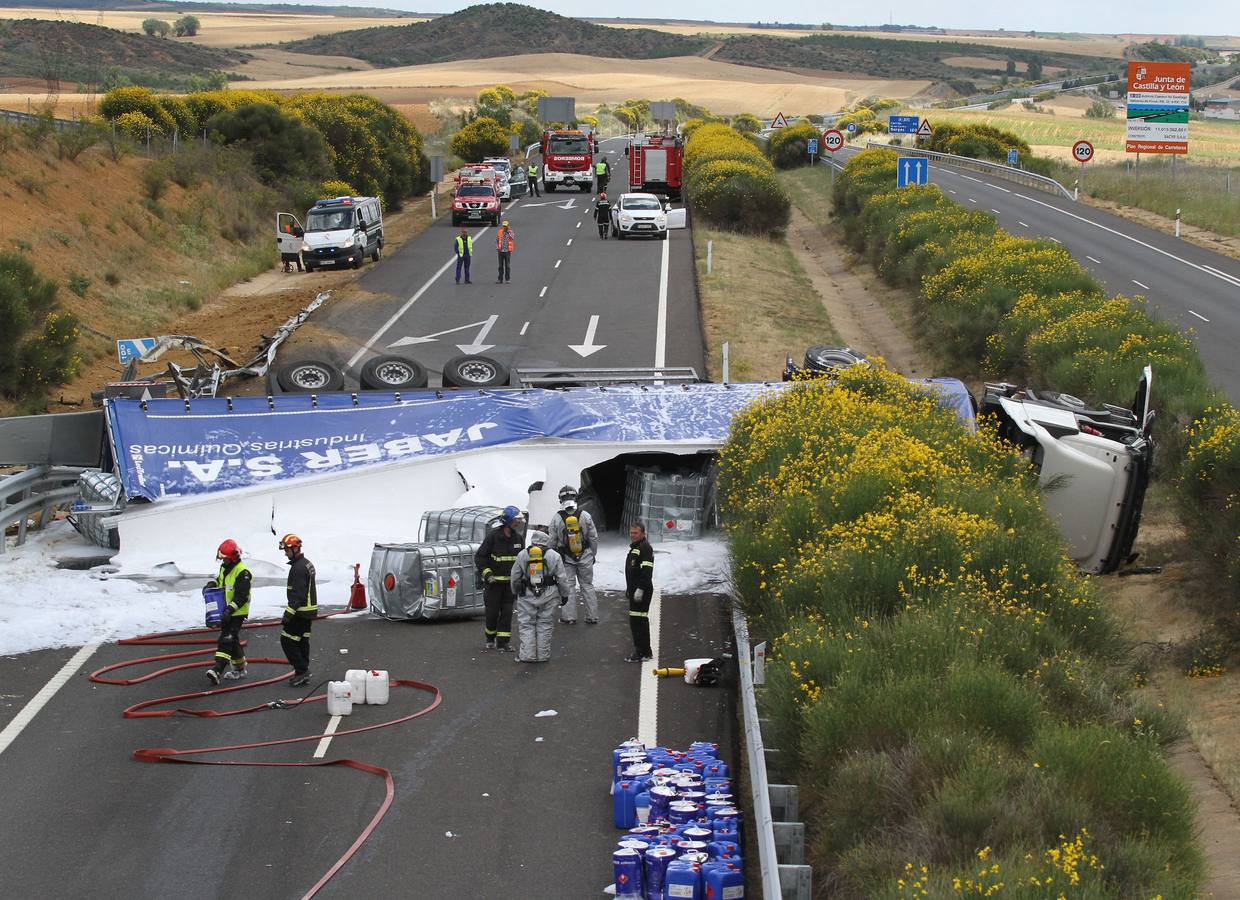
[562,204]
[476,347]
[588,347]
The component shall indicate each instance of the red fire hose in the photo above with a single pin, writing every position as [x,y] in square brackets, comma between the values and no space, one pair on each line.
[145,709]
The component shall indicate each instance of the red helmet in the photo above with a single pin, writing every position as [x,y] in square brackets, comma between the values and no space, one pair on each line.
[290,542]
[229,551]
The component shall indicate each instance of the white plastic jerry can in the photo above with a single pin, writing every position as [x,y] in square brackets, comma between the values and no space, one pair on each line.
[377,687]
[357,680]
[339,698]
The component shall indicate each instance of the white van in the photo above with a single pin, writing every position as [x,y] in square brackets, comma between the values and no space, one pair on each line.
[340,231]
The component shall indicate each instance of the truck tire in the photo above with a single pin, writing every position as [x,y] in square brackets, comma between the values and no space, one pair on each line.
[392,373]
[309,376]
[472,371]
[361,257]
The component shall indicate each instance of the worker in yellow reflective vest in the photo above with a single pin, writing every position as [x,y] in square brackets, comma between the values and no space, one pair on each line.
[303,606]
[235,578]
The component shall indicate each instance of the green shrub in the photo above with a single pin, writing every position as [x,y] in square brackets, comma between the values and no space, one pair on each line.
[73,142]
[118,104]
[78,283]
[788,147]
[281,147]
[183,118]
[330,189]
[36,344]
[479,139]
[137,126]
[740,197]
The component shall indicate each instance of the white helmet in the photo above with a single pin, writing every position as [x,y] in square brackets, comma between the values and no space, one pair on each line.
[539,539]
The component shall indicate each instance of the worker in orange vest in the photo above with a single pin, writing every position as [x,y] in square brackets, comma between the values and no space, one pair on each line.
[505,244]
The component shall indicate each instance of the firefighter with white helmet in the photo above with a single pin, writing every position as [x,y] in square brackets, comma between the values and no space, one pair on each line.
[575,538]
[537,579]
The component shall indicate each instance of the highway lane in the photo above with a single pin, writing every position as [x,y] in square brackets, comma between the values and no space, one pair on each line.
[490,799]
[563,276]
[1190,287]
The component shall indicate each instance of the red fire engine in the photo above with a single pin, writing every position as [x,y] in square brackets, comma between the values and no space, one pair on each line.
[567,160]
[655,165]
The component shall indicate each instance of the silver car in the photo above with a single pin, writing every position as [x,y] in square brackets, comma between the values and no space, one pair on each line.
[639,214]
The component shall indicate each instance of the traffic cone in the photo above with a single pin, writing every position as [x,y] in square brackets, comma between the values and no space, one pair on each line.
[357,595]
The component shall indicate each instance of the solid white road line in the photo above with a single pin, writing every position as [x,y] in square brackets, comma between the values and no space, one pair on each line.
[332,724]
[1140,285]
[660,328]
[1093,259]
[48,691]
[527,324]
[1200,316]
[1128,237]
[648,692]
[374,338]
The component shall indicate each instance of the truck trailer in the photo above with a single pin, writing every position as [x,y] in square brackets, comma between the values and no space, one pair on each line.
[655,165]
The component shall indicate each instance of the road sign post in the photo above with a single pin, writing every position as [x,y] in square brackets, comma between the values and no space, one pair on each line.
[811,146]
[903,124]
[1083,152]
[832,141]
[436,174]
[925,129]
[912,170]
[1013,156]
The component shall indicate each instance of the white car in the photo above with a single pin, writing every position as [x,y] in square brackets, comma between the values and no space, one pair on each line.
[635,214]
[503,165]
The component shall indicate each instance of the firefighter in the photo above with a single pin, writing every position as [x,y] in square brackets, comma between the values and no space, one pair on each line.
[602,215]
[575,538]
[602,173]
[464,248]
[538,582]
[531,172]
[504,245]
[303,605]
[639,588]
[494,559]
[235,578]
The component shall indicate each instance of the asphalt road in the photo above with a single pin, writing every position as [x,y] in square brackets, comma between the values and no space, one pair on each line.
[490,800]
[625,303]
[1194,289]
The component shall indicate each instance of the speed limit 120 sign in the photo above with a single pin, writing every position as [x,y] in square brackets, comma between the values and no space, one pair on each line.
[1082,151]
[832,140]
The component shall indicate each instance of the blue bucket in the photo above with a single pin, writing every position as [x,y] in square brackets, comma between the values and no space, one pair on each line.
[213,597]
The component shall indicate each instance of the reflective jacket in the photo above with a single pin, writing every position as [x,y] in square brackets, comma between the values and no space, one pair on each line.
[497,553]
[601,168]
[464,245]
[503,241]
[235,580]
[639,568]
[302,593]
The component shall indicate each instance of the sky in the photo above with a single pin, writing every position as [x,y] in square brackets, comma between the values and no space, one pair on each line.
[1132,16]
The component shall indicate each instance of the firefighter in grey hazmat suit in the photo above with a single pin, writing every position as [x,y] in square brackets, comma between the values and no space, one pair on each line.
[575,538]
[538,582]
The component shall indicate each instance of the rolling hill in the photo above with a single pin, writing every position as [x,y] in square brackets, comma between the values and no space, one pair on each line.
[74,52]
[492,30]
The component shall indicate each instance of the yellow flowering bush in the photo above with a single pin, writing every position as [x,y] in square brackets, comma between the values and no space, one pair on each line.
[929,642]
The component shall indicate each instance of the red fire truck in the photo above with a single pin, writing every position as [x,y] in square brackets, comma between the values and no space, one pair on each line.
[568,158]
[655,165]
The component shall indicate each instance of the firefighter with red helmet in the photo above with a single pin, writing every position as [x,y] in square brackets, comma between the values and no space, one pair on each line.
[303,605]
[235,578]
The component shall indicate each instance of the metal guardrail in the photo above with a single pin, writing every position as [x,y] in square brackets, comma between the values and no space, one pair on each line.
[791,880]
[12,115]
[41,488]
[998,170]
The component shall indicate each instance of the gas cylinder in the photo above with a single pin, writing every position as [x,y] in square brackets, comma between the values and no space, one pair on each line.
[339,698]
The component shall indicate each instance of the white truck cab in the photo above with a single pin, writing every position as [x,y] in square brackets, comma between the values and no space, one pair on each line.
[339,231]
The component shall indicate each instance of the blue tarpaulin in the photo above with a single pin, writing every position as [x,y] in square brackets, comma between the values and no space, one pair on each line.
[167,448]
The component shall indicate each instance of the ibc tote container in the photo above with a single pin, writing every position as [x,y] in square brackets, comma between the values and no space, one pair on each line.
[431,580]
[468,523]
[673,506]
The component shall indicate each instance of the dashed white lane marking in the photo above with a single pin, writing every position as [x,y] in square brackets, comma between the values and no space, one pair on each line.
[1093,259]
[557,263]
[1021,224]
[995,211]
[970,177]
[578,224]
[1056,240]
[570,240]
[1200,316]
[1209,270]
[971,200]
[648,692]
[950,191]
[332,724]
[527,324]
[19,722]
[543,292]
[1140,285]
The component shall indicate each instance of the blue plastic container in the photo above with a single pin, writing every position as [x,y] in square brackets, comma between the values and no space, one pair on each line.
[683,881]
[627,866]
[716,769]
[657,861]
[624,812]
[723,881]
[213,597]
[704,748]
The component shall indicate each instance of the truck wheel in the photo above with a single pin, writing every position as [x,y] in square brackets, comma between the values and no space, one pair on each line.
[310,376]
[392,373]
[474,372]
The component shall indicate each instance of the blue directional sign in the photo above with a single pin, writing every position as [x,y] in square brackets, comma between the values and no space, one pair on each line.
[912,170]
[811,146]
[903,124]
[1013,157]
[133,348]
